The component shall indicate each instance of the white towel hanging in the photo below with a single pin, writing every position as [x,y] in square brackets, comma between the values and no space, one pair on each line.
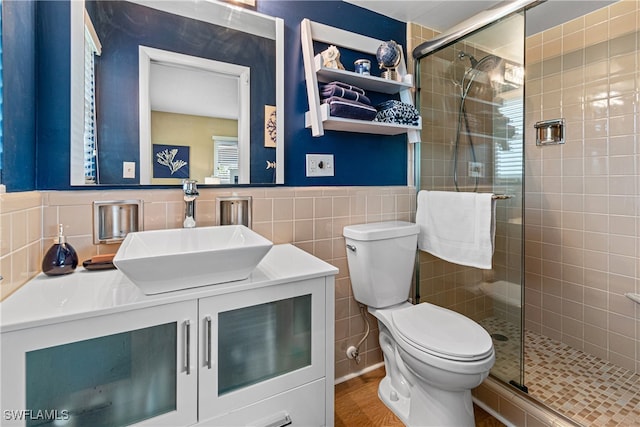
[458,227]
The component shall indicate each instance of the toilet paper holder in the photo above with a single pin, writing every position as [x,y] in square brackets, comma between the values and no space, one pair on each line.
[114,219]
[234,210]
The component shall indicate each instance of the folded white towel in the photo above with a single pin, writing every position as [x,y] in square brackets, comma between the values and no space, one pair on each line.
[457,227]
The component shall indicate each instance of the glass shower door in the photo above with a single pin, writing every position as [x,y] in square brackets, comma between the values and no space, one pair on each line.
[470,94]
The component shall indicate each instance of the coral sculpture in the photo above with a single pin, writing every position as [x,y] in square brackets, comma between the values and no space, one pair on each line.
[331,58]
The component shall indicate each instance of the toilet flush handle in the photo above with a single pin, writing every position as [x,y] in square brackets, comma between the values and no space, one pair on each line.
[351,247]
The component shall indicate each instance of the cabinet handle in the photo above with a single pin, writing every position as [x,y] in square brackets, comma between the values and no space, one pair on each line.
[187,346]
[286,421]
[281,420]
[208,343]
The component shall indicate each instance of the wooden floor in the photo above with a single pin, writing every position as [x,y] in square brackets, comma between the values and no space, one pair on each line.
[357,404]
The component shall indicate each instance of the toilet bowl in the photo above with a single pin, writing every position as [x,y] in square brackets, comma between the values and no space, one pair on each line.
[433,356]
[440,354]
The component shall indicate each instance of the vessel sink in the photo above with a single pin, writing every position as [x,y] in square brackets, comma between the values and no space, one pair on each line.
[169,260]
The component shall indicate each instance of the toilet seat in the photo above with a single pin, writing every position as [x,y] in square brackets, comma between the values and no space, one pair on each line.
[442,333]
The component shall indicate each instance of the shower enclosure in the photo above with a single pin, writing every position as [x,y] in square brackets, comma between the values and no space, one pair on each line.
[470,94]
[579,352]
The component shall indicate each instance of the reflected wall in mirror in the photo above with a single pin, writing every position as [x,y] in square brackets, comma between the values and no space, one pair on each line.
[200,31]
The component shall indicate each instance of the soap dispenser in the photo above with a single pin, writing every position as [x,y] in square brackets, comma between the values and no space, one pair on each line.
[61,258]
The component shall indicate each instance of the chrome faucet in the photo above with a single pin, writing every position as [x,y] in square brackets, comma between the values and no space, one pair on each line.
[190,195]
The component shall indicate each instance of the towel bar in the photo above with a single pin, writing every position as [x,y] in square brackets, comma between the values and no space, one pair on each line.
[633,297]
[500,196]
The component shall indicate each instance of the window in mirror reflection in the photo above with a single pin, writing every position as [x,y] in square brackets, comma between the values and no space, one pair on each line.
[92,48]
[225,161]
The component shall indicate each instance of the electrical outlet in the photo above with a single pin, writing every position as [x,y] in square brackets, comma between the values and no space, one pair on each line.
[476,169]
[128,169]
[320,165]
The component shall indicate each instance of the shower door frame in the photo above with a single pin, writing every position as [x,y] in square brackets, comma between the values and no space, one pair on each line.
[455,35]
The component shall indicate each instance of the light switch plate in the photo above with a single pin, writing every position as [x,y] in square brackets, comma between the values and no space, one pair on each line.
[128,169]
[320,165]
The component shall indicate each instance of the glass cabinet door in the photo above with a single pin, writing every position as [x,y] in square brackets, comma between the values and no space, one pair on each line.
[107,371]
[260,343]
[112,380]
[263,341]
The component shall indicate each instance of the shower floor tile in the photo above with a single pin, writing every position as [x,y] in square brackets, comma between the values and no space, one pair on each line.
[508,355]
[581,386]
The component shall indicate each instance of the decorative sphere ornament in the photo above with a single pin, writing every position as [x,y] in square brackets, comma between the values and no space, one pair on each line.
[388,56]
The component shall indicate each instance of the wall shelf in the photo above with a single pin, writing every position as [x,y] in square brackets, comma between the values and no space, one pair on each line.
[359,126]
[374,83]
[318,118]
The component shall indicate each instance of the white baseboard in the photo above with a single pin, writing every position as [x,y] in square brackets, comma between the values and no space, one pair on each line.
[357,374]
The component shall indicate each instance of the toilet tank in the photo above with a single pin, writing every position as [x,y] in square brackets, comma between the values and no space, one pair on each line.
[381,258]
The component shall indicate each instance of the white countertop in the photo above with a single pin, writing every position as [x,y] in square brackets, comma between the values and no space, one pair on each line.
[46,300]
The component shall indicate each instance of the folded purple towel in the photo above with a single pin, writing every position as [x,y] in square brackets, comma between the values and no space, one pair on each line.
[327,91]
[346,86]
[345,108]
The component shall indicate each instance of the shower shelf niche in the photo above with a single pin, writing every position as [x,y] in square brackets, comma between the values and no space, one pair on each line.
[318,117]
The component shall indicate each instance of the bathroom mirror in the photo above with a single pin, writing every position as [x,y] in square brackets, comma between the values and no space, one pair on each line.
[144,43]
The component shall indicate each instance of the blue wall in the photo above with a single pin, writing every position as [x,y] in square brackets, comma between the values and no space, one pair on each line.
[53,95]
[360,159]
[19,95]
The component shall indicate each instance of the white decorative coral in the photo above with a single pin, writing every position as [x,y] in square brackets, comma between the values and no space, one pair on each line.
[166,157]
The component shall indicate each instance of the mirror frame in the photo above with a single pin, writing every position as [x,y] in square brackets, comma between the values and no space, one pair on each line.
[147,55]
[218,13]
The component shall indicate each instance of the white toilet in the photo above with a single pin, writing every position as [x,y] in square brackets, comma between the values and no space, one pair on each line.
[433,356]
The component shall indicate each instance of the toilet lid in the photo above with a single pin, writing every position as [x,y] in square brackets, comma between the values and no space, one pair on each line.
[442,332]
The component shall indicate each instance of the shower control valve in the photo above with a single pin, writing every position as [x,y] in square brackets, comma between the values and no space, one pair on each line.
[476,170]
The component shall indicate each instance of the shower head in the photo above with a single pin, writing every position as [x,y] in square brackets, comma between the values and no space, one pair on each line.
[462,55]
[458,71]
[488,69]
[488,63]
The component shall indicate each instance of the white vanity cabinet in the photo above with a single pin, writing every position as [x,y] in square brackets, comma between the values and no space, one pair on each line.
[91,349]
[105,370]
[269,340]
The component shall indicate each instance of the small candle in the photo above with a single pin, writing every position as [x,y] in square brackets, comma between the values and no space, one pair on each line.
[363,66]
